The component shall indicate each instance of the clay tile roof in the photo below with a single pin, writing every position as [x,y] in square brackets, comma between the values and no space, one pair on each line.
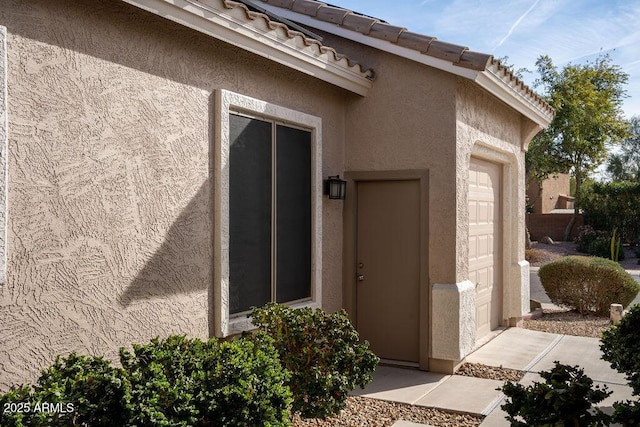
[385,31]
[359,23]
[314,47]
[331,14]
[414,41]
[380,29]
[308,7]
[458,55]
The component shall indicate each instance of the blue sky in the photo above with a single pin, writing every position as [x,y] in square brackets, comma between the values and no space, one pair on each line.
[573,31]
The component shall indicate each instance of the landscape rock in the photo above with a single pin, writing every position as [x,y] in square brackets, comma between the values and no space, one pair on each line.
[547,240]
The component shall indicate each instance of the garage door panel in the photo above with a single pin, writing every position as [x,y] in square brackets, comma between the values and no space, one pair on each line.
[484,239]
[473,247]
[483,313]
[473,211]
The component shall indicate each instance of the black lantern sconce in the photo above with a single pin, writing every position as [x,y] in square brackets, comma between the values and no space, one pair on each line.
[335,187]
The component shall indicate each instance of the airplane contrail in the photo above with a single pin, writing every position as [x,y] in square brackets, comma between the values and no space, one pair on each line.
[518,21]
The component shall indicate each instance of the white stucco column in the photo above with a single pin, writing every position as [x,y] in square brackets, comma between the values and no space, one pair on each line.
[453,321]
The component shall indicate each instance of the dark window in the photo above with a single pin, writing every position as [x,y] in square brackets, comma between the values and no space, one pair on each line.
[269,213]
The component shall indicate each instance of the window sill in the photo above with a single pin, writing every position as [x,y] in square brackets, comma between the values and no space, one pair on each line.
[242,323]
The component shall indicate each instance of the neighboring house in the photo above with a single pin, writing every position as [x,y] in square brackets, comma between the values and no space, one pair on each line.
[550,208]
[163,165]
[550,195]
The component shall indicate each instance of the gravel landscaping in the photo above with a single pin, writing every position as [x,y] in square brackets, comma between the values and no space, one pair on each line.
[568,322]
[540,254]
[479,370]
[364,412]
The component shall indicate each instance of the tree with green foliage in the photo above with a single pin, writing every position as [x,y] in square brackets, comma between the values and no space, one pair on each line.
[625,165]
[588,100]
[614,205]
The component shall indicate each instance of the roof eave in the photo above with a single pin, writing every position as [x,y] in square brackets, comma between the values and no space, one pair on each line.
[486,78]
[371,41]
[222,25]
[538,113]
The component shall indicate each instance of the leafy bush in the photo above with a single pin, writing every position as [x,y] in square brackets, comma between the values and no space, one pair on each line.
[323,353]
[565,398]
[180,381]
[588,284]
[614,205]
[621,347]
[172,382]
[586,235]
[597,243]
[82,390]
[626,413]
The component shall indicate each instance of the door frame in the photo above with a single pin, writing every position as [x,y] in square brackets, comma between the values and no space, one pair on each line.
[350,216]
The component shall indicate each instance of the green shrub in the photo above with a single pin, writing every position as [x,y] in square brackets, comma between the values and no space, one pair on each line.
[76,390]
[180,381]
[323,353]
[621,347]
[564,399]
[626,413]
[613,205]
[586,235]
[597,243]
[171,382]
[588,284]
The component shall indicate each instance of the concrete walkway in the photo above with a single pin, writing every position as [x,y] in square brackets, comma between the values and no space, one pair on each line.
[517,348]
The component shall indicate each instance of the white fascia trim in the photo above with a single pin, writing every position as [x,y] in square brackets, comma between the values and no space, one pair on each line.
[484,79]
[222,26]
[510,95]
[383,45]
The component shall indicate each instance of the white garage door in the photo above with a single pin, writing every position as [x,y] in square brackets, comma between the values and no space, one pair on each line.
[485,243]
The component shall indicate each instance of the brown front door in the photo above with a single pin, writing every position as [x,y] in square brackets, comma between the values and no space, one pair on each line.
[388,267]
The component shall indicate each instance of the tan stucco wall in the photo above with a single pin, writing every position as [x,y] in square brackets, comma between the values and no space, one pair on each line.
[416,117]
[407,121]
[546,199]
[489,129]
[110,163]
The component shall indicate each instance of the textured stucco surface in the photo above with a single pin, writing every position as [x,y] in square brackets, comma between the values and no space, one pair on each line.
[419,118]
[407,122]
[454,320]
[488,129]
[3,155]
[110,158]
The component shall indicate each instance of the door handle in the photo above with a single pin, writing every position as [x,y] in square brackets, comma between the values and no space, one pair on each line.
[360,277]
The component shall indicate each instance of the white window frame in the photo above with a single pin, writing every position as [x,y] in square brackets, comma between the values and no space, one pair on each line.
[227,103]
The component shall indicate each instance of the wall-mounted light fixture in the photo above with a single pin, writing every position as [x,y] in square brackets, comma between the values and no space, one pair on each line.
[335,187]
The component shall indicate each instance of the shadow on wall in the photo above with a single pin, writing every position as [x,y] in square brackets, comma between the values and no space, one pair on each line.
[105,29]
[183,263]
